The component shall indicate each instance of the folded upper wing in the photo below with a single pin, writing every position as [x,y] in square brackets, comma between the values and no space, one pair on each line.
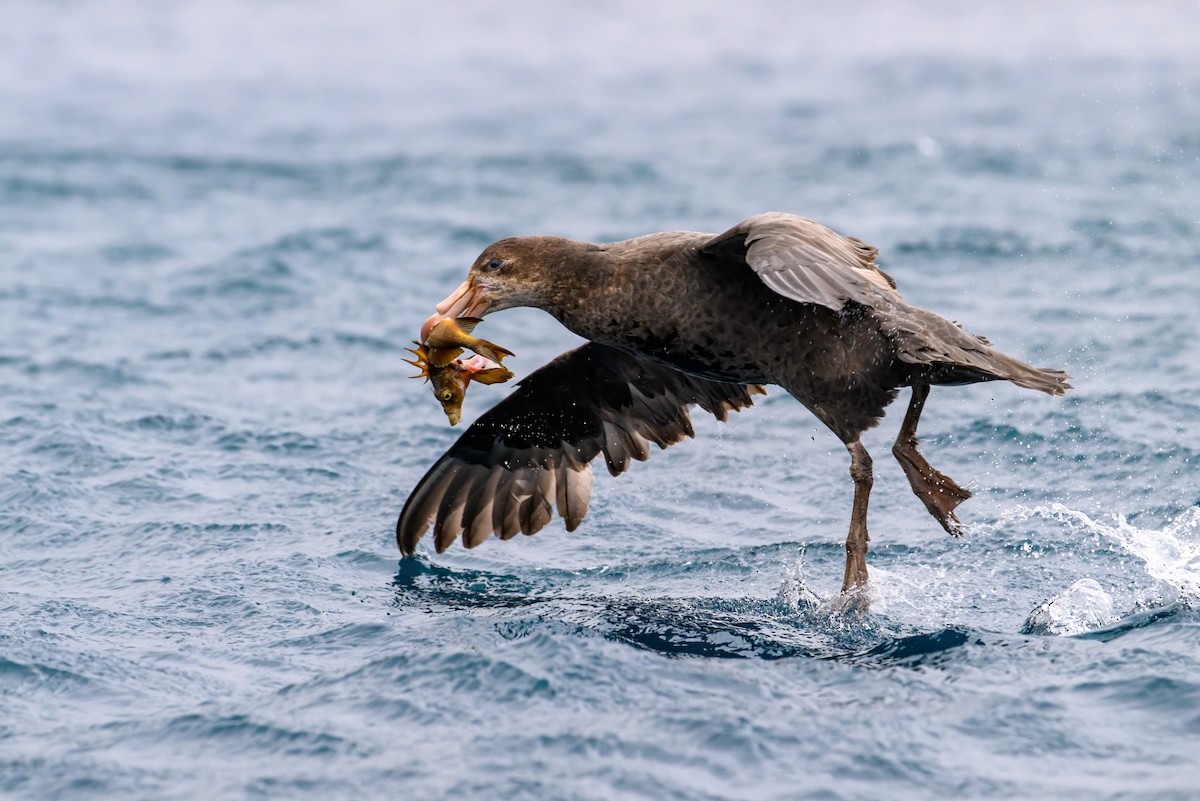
[532,452]
[805,261]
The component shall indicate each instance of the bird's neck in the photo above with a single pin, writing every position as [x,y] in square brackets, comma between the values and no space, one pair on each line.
[589,291]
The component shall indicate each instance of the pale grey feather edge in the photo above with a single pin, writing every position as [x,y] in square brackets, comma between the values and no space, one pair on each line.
[809,263]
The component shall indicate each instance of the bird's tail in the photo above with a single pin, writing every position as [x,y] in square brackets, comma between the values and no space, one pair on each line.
[938,351]
[996,366]
[1043,379]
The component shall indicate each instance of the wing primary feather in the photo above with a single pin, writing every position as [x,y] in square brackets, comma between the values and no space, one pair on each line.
[537,509]
[578,494]
[477,515]
[449,512]
[421,509]
[511,522]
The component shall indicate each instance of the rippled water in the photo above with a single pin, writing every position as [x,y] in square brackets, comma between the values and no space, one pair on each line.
[220,223]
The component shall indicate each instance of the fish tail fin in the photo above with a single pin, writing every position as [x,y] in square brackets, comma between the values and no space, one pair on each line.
[492,375]
[490,350]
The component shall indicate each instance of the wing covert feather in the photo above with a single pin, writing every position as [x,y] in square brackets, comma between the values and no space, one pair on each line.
[803,260]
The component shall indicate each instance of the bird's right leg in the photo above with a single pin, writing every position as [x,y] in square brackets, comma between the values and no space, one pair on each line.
[857,539]
[938,492]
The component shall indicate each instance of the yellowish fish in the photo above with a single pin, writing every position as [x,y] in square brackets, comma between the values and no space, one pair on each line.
[437,359]
[449,337]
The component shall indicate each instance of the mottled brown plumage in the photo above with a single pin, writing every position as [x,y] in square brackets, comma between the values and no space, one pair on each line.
[777,299]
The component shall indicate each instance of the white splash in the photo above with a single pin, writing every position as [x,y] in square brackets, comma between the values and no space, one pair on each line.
[1171,555]
[839,614]
[1084,606]
[928,147]
[888,595]
[795,592]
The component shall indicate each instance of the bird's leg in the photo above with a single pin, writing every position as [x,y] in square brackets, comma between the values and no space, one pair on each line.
[856,540]
[938,492]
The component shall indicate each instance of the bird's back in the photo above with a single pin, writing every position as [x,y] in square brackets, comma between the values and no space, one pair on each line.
[710,313]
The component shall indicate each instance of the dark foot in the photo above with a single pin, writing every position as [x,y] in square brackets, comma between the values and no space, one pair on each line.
[857,539]
[856,566]
[940,493]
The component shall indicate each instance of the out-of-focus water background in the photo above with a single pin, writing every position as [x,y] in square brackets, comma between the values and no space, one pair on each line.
[220,224]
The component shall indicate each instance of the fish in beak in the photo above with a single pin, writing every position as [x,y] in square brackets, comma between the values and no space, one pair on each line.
[466,301]
[449,378]
[452,335]
[444,336]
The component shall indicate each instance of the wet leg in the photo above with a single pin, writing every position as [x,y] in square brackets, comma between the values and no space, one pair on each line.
[857,539]
[938,492]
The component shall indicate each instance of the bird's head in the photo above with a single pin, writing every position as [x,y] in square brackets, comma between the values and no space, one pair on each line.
[516,271]
[509,273]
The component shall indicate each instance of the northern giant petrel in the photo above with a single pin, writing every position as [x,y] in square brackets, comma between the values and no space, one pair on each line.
[678,319]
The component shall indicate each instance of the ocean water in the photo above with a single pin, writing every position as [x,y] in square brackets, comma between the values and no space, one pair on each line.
[221,223]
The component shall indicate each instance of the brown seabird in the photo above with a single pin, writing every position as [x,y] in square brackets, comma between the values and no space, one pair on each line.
[678,319]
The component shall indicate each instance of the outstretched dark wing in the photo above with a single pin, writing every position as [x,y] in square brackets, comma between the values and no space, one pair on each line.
[805,261]
[532,452]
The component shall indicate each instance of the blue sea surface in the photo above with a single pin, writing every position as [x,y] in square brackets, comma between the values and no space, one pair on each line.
[222,222]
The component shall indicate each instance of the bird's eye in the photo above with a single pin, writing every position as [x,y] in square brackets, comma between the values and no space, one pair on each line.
[447,395]
[493,265]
